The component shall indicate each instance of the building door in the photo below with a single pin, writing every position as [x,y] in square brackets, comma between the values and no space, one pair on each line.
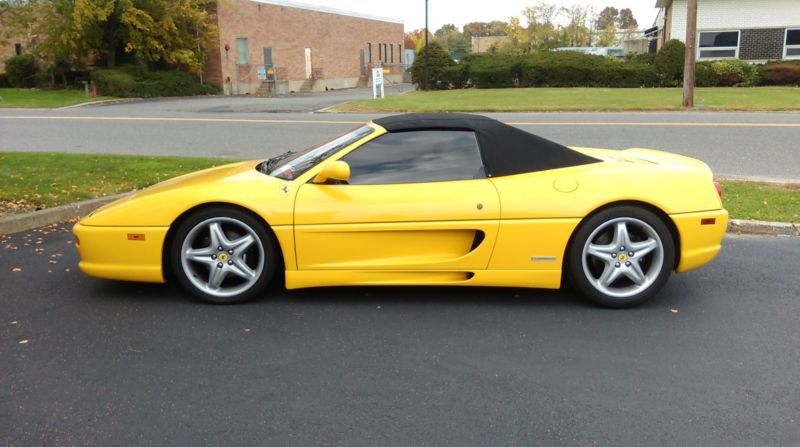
[267,56]
[362,62]
[308,63]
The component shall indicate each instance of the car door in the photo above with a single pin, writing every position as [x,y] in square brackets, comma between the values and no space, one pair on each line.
[414,201]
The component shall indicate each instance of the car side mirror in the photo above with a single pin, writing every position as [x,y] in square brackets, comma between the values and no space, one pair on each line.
[338,170]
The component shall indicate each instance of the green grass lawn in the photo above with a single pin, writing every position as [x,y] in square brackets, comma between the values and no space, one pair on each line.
[577,99]
[31,97]
[30,180]
[762,201]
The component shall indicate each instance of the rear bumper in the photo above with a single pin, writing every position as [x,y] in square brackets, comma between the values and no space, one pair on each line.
[122,253]
[700,237]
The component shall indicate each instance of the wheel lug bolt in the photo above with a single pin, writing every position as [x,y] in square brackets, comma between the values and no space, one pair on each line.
[613,255]
[230,262]
[230,252]
[219,248]
[213,256]
[622,248]
[628,264]
[219,265]
[616,265]
[630,253]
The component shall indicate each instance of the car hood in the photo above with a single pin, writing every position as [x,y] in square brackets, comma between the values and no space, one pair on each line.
[161,204]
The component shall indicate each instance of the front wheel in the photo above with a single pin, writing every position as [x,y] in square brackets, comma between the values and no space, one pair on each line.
[621,256]
[223,256]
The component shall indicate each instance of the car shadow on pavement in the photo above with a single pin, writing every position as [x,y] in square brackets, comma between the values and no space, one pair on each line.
[142,293]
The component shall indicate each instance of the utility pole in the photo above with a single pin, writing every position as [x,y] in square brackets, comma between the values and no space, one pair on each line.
[425,83]
[691,53]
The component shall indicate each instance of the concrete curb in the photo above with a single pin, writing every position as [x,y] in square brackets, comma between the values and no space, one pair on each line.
[756,227]
[28,221]
[103,102]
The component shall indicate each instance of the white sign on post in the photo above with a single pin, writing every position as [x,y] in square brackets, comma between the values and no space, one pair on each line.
[377,82]
[261,72]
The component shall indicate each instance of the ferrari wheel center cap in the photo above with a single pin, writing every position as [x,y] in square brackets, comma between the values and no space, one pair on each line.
[622,257]
[222,256]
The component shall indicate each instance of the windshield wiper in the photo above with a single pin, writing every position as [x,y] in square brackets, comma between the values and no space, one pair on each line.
[271,162]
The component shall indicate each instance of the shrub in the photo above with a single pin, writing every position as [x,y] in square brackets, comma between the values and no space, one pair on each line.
[726,73]
[780,74]
[669,63]
[21,71]
[704,75]
[134,81]
[115,82]
[438,62]
[4,81]
[572,69]
[455,76]
[493,70]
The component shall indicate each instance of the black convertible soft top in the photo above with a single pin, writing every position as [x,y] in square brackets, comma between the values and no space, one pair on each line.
[506,150]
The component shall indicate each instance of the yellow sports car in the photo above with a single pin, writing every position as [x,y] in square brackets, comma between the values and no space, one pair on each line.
[418,199]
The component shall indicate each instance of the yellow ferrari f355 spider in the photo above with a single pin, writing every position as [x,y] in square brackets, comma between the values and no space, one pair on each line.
[418,199]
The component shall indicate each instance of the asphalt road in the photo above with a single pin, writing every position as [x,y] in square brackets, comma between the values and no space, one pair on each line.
[762,145]
[712,361]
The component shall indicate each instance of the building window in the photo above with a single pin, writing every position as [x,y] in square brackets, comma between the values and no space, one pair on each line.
[791,49]
[369,52]
[18,48]
[380,53]
[242,51]
[385,52]
[399,53]
[391,53]
[718,45]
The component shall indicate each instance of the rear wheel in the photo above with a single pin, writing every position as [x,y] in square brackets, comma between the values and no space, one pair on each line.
[621,256]
[223,256]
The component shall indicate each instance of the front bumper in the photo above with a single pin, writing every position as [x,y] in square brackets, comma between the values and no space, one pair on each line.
[122,253]
[700,239]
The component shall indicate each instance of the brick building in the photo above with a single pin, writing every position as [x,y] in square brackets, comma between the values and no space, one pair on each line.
[753,30]
[299,47]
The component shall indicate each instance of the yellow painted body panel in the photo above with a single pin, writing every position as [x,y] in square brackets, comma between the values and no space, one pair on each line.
[541,279]
[505,231]
[699,243]
[106,252]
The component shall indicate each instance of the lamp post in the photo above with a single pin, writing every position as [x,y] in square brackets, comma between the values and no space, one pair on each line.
[425,79]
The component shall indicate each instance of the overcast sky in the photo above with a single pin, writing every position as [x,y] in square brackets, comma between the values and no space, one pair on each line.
[459,12]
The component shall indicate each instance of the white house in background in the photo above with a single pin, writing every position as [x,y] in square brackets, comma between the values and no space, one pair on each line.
[753,30]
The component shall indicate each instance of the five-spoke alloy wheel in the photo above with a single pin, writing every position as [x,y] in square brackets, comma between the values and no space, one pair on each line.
[621,256]
[223,255]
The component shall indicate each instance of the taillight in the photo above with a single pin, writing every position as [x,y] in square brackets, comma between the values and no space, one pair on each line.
[719,189]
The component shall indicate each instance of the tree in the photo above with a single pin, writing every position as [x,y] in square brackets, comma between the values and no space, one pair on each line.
[438,64]
[481,29]
[445,30]
[626,20]
[607,17]
[418,37]
[176,33]
[520,43]
[669,62]
[541,28]
[608,36]
[576,33]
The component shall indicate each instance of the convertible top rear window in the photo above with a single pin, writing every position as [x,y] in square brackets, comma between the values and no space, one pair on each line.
[506,150]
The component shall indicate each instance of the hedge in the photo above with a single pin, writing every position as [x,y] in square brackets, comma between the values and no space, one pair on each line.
[134,81]
[21,71]
[781,73]
[554,69]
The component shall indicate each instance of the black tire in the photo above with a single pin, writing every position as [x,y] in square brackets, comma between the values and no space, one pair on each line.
[232,222]
[653,268]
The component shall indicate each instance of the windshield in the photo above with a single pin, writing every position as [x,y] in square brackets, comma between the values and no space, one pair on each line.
[295,165]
